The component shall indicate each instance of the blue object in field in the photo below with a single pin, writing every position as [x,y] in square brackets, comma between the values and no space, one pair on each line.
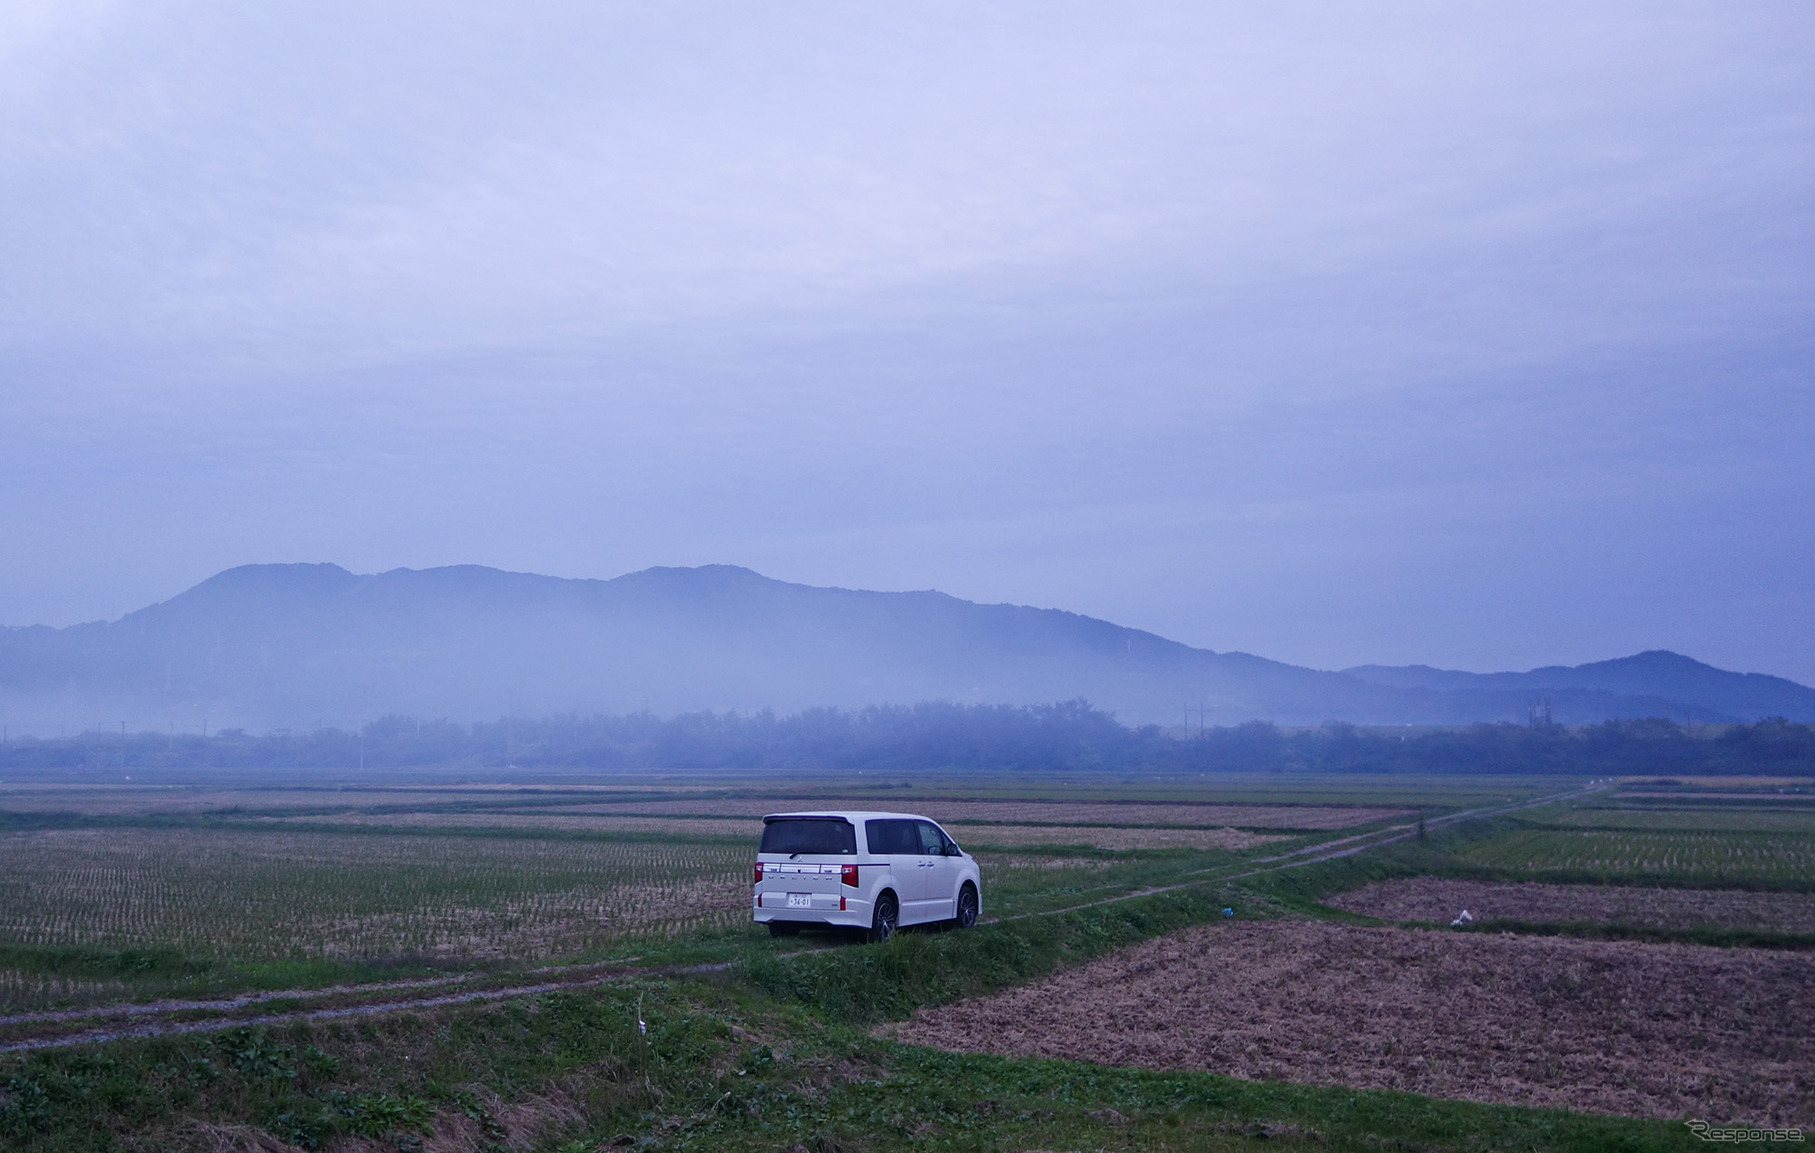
[1228,912]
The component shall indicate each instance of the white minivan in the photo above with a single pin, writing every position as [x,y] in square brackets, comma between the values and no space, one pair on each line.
[861,870]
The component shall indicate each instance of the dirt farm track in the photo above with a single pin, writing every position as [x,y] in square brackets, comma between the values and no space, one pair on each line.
[1608,1027]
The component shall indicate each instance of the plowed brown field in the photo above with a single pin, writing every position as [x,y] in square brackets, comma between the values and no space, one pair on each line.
[1611,1027]
[1027,812]
[1432,899]
[558,822]
[1108,837]
[1096,836]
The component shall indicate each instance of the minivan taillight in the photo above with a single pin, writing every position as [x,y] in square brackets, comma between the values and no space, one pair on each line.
[759,872]
[848,874]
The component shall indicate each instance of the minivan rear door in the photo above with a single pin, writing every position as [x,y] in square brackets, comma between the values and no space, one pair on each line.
[802,861]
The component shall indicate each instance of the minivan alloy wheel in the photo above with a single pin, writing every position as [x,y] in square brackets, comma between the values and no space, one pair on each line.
[882,925]
[967,907]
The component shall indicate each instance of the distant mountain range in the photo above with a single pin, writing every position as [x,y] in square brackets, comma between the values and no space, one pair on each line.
[299,645]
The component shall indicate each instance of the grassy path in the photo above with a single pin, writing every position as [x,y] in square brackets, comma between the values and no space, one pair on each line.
[1317,853]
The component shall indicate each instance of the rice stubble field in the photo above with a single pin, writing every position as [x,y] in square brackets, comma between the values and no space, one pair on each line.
[1110,837]
[1705,857]
[280,894]
[1030,812]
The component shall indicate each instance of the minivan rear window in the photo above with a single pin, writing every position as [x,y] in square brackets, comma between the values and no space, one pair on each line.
[833,835]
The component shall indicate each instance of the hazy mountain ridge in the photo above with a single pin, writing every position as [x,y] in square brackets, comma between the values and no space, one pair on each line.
[298,645]
[1656,675]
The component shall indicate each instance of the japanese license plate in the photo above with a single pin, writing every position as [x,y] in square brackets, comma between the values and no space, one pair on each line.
[800,900]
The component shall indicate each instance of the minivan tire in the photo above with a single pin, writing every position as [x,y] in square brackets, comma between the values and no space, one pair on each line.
[888,913]
[967,906]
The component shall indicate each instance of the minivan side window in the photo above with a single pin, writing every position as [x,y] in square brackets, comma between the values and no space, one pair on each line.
[891,836]
[831,835]
[932,841]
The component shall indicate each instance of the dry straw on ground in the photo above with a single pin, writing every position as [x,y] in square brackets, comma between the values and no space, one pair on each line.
[1177,815]
[1095,836]
[1433,899]
[132,801]
[1610,1027]
[1107,838]
[139,800]
[553,822]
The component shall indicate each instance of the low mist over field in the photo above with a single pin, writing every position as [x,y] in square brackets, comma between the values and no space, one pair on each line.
[307,646]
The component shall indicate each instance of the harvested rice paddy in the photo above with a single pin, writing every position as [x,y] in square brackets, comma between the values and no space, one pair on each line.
[1032,812]
[1710,820]
[278,895]
[1108,837]
[1687,856]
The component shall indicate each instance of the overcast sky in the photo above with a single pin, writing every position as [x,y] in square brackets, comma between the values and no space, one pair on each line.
[1474,335]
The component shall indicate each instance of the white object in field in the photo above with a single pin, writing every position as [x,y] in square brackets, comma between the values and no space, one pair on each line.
[842,868]
[1462,920]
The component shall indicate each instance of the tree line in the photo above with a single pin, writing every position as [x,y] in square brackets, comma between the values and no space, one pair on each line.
[1068,737]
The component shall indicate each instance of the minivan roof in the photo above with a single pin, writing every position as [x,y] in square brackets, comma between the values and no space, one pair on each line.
[852,815]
